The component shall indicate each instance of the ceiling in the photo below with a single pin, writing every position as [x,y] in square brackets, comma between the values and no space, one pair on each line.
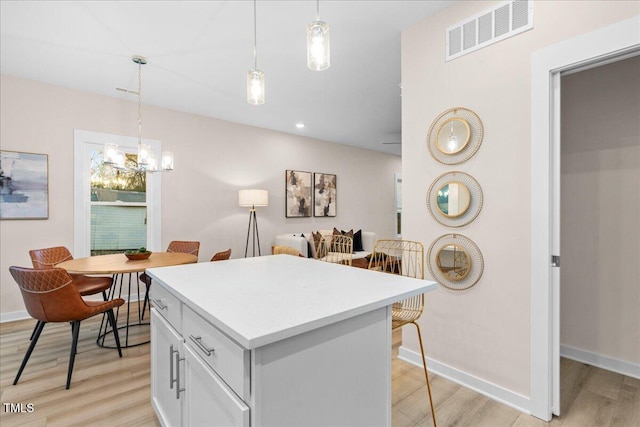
[199,52]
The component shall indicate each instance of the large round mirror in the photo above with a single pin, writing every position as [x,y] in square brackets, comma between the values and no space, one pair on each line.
[453,262]
[453,135]
[453,199]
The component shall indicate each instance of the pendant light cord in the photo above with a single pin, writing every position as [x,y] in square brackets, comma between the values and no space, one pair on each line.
[255,38]
[139,103]
[317,10]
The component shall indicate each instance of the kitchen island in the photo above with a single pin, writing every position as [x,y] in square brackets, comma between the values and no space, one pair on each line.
[273,341]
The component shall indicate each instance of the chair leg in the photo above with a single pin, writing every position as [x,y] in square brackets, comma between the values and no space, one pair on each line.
[35,328]
[114,327]
[426,375]
[75,331]
[146,301]
[34,340]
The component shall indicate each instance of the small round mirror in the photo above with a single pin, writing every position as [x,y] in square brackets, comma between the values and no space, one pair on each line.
[453,262]
[453,135]
[453,199]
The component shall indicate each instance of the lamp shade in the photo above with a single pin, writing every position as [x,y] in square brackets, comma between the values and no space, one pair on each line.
[253,197]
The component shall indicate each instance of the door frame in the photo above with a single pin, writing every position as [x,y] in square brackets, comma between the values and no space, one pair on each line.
[583,51]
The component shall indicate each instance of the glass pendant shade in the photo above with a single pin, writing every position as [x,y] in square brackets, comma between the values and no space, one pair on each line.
[110,154]
[167,160]
[318,46]
[144,154]
[152,163]
[255,87]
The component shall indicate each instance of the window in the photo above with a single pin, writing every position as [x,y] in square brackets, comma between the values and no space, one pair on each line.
[114,210]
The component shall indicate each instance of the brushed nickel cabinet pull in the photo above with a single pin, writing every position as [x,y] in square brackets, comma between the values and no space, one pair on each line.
[198,341]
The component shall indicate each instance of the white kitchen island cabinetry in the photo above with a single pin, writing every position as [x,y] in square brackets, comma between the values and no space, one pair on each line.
[275,341]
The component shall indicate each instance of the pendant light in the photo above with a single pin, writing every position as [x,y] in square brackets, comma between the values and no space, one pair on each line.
[318,47]
[147,161]
[255,77]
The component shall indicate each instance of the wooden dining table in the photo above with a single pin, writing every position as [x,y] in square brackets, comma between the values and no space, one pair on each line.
[118,265]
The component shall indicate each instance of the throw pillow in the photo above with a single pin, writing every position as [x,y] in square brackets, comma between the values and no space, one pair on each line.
[309,252]
[357,241]
[317,239]
[349,233]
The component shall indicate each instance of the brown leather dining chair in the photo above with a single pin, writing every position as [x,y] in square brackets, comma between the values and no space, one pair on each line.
[50,296]
[221,256]
[86,285]
[181,246]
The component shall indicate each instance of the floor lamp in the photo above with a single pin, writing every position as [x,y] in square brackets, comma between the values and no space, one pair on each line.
[252,198]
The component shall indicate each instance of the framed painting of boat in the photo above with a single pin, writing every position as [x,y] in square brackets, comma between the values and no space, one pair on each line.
[24,185]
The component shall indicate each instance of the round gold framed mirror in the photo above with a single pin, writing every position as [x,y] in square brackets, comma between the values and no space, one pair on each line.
[454,199]
[455,262]
[455,135]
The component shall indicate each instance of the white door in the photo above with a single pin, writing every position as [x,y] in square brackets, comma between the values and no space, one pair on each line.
[165,343]
[208,400]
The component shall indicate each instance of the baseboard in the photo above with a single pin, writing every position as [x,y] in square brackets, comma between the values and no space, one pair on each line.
[492,391]
[14,316]
[600,361]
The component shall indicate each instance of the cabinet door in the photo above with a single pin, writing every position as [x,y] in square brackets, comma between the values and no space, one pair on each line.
[165,342]
[208,400]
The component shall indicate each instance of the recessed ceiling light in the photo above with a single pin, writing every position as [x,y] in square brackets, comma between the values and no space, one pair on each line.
[300,125]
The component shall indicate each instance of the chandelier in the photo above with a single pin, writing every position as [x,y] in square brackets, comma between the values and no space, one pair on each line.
[146,160]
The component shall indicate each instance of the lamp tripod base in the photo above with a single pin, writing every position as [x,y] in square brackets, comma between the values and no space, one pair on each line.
[253,230]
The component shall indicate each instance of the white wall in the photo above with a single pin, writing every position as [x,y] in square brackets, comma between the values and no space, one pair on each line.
[483,335]
[600,230]
[213,159]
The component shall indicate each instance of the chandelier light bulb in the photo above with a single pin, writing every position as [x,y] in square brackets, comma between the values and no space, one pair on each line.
[318,46]
[167,160]
[255,87]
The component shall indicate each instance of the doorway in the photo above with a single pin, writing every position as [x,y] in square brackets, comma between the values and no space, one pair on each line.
[600,221]
[614,41]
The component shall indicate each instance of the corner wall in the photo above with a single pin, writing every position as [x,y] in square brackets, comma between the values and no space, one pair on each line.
[213,159]
[482,336]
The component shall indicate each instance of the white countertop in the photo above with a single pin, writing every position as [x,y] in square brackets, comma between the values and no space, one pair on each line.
[258,301]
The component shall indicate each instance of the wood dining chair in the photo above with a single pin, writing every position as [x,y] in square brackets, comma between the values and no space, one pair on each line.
[181,246]
[50,296]
[406,258]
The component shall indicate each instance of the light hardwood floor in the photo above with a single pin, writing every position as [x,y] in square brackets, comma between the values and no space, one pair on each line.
[107,390]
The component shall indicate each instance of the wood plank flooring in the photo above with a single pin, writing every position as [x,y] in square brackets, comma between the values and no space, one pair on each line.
[106,390]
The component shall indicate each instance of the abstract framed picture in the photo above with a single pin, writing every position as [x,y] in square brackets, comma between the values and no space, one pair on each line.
[324,194]
[24,185]
[298,189]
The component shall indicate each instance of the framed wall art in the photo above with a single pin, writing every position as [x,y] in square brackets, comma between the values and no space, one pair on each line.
[24,185]
[324,194]
[298,188]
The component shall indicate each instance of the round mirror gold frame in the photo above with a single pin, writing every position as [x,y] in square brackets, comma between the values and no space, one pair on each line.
[453,137]
[460,130]
[467,210]
[455,262]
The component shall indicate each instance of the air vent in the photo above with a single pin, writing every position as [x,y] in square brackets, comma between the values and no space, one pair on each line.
[490,26]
